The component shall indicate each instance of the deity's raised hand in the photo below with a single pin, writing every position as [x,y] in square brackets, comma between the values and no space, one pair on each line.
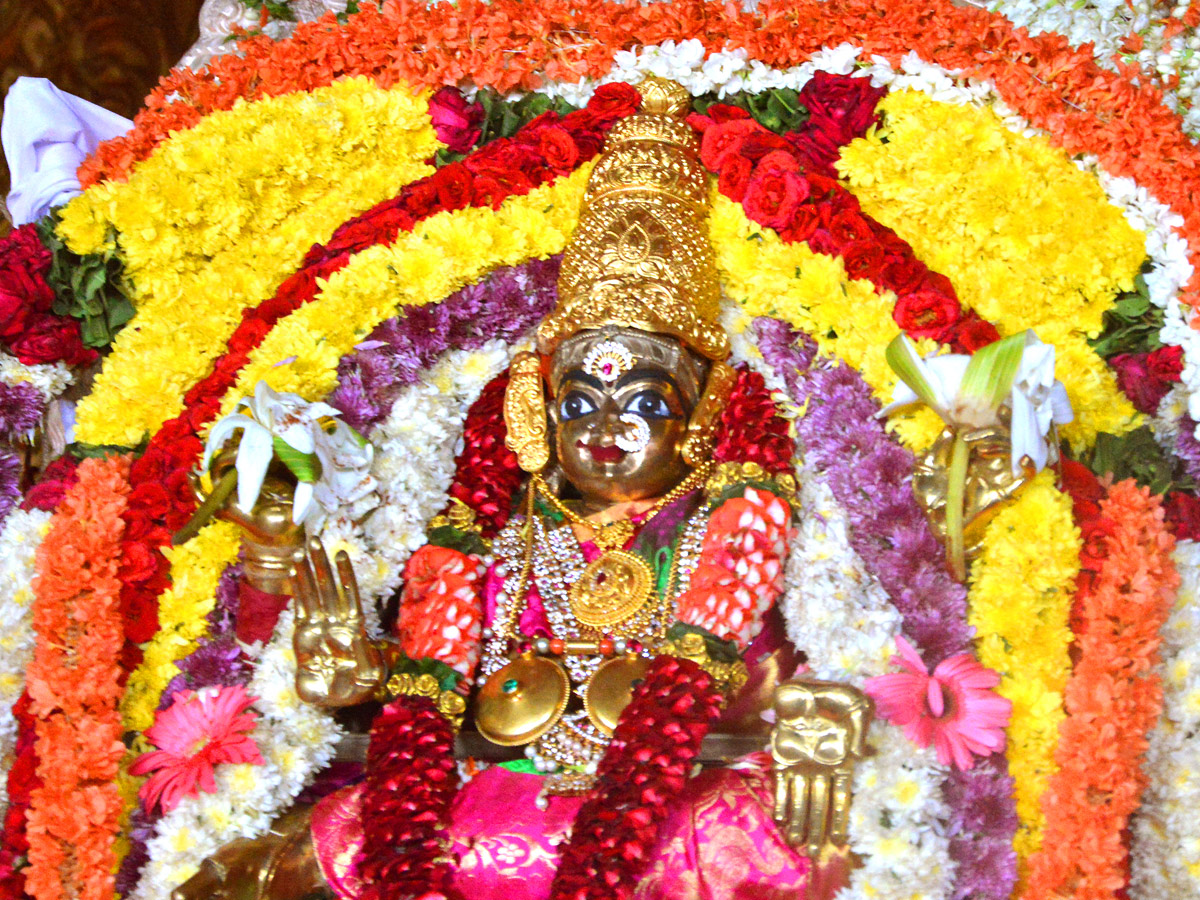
[337,663]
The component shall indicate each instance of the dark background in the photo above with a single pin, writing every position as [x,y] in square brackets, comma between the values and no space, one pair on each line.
[111,52]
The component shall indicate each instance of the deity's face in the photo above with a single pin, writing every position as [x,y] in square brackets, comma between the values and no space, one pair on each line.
[620,422]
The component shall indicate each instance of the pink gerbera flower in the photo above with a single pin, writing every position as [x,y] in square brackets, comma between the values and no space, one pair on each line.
[194,734]
[955,708]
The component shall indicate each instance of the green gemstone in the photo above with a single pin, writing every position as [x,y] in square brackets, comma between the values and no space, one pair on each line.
[510,686]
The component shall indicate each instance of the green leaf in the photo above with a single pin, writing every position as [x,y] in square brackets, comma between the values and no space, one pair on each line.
[1139,456]
[991,371]
[305,466]
[903,358]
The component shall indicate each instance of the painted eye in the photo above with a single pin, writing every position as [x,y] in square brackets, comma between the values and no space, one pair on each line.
[575,405]
[648,405]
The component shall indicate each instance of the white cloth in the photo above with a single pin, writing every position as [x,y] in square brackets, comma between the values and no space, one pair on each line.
[46,134]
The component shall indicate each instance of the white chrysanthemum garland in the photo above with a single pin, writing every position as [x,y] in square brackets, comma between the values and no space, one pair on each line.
[49,379]
[296,741]
[415,449]
[840,616]
[1166,838]
[22,533]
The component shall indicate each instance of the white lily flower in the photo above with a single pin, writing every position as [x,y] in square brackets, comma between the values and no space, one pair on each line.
[1036,399]
[345,472]
[273,424]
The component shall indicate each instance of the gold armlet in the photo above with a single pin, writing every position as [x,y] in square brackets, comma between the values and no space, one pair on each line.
[728,474]
[450,704]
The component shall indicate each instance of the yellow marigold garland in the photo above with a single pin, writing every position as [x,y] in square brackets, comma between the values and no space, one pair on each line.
[220,216]
[442,254]
[1019,605]
[182,610]
[1028,240]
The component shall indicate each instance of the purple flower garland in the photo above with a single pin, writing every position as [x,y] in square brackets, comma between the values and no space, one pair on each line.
[870,476]
[504,305]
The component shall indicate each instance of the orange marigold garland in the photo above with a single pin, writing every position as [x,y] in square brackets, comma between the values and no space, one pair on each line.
[1126,589]
[73,681]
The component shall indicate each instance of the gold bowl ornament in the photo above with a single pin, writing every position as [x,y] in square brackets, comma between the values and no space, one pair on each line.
[522,701]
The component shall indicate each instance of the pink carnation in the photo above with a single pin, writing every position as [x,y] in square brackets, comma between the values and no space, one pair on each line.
[955,709]
[194,734]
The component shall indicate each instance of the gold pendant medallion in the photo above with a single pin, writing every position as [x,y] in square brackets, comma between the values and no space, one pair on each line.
[611,689]
[522,701]
[612,588]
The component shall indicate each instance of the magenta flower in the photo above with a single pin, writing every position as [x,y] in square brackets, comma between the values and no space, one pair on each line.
[194,734]
[955,709]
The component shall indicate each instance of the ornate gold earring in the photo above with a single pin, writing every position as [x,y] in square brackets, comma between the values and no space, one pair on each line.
[702,427]
[525,413]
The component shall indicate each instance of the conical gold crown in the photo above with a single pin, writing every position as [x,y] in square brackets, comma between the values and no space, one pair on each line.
[640,256]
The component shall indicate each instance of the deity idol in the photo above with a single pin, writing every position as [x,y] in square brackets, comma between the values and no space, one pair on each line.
[632,556]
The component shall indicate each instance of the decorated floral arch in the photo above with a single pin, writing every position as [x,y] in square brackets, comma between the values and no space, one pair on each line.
[370,212]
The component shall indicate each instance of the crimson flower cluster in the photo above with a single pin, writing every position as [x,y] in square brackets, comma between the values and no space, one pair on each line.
[752,429]
[1145,378]
[22,781]
[486,472]
[788,183]
[411,782]
[28,329]
[642,773]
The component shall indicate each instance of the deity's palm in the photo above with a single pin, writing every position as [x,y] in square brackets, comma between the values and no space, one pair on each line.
[337,663]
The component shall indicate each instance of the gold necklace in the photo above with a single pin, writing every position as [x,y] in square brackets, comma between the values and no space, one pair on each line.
[614,535]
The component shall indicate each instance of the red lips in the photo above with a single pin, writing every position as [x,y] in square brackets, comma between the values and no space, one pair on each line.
[602,454]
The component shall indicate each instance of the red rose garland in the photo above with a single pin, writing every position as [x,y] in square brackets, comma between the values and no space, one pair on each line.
[642,773]
[411,782]
[23,780]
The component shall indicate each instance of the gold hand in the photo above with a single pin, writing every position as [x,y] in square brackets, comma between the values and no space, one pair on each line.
[337,663]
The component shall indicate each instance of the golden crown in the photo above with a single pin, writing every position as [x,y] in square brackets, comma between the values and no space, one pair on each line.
[640,256]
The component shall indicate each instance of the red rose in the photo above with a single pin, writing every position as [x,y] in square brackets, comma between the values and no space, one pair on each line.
[455,121]
[718,114]
[1166,364]
[455,187]
[493,188]
[139,562]
[1139,382]
[734,177]
[1084,487]
[848,226]
[421,198]
[762,142]
[970,333]
[721,141]
[925,313]
[902,274]
[49,339]
[1183,515]
[773,196]
[862,259]
[614,101]
[506,156]
[559,149]
[779,161]
[24,262]
[819,144]
[139,615]
[56,480]
[803,226]
[849,102]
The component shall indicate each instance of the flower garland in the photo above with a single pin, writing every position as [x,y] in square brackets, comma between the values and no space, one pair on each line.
[643,770]
[22,533]
[441,255]
[73,682]
[195,569]
[411,782]
[221,214]
[1166,846]
[1055,267]
[1126,587]
[296,741]
[23,780]
[870,475]
[1021,591]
